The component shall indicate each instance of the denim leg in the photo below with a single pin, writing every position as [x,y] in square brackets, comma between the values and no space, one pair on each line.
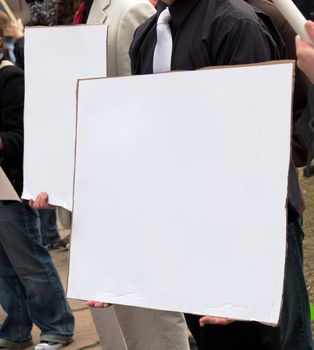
[48,226]
[12,300]
[295,323]
[21,240]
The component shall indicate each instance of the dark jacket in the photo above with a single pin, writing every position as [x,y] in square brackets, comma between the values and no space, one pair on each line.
[11,124]
[302,84]
[299,151]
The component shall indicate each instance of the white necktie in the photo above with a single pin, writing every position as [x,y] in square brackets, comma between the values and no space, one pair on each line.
[163,49]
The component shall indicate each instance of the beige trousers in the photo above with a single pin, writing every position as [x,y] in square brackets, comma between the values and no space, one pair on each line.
[132,328]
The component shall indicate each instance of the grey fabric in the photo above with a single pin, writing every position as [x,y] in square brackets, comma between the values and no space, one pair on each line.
[132,328]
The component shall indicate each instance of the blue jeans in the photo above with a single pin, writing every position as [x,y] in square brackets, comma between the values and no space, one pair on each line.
[31,291]
[48,226]
[295,322]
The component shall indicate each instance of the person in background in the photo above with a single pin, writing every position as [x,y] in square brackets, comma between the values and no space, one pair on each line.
[31,290]
[44,13]
[66,11]
[48,227]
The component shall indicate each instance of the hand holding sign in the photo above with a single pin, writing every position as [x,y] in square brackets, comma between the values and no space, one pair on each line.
[305,52]
[41,202]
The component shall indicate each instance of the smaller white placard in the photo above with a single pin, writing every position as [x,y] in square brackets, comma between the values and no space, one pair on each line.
[55,57]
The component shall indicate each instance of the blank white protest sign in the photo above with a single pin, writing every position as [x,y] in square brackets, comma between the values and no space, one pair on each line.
[180,191]
[55,58]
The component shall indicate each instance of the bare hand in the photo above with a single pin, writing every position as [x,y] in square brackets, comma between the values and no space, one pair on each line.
[15,29]
[41,202]
[97,304]
[305,52]
[214,320]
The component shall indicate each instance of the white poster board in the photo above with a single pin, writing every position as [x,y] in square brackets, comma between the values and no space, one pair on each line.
[180,191]
[7,191]
[54,59]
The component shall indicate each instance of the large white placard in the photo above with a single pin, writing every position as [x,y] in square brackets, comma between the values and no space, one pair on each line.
[54,59]
[180,191]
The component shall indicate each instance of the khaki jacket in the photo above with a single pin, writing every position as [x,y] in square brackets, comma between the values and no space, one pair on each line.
[122,18]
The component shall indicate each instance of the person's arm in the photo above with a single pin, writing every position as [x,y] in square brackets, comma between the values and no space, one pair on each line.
[305,61]
[305,52]
[301,85]
[16,31]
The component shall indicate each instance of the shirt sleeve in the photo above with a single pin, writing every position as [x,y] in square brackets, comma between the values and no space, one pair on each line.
[302,84]
[245,42]
[12,106]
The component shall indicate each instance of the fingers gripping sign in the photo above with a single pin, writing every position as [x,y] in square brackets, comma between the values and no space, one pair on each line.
[214,320]
[97,304]
[41,202]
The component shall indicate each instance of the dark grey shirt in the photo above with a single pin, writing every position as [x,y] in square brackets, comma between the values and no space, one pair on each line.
[208,33]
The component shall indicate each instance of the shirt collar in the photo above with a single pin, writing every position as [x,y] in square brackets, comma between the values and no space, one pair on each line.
[179,10]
